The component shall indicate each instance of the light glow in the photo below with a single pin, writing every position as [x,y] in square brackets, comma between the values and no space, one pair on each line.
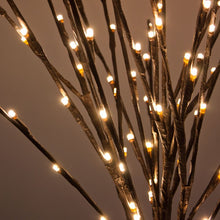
[196,112]
[103,114]
[110,79]
[211,28]
[159,23]
[159,6]
[145,98]
[149,146]
[151,34]
[23,31]
[24,40]
[193,73]
[74,44]
[150,196]
[137,47]
[136,216]
[107,156]
[125,149]
[60,18]
[11,114]
[203,107]
[130,137]
[178,102]
[65,101]
[103,218]
[206,4]
[200,56]
[146,56]
[218,3]
[56,167]
[121,167]
[113,27]
[213,70]
[115,91]
[133,74]
[80,68]
[89,33]
[158,109]
[132,207]
[186,57]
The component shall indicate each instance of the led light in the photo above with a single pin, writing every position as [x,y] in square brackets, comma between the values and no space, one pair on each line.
[121,167]
[132,206]
[151,34]
[149,146]
[150,182]
[155,180]
[60,18]
[89,33]
[211,28]
[186,57]
[150,196]
[203,107]
[130,137]
[133,74]
[110,79]
[193,73]
[103,218]
[11,114]
[56,168]
[145,98]
[159,23]
[159,109]
[80,68]
[23,31]
[178,102]
[196,112]
[24,40]
[137,47]
[218,3]
[213,70]
[159,6]
[107,156]
[113,27]
[136,216]
[200,56]
[125,149]
[65,101]
[103,114]
[74,45]
[219,174]
[146,56]
[206,4]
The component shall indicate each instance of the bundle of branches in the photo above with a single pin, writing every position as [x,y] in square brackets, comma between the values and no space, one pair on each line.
[165,154]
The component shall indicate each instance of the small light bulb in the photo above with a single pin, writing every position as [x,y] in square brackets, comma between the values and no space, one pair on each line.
[213,70]
[219,174]
[206,4]
[130,137]
[195,112]
[211,28]
[203,107]
[178,102]
[113,27]
[132,206]
[110,79]
[121,167]
[60,18]
[159,6]
[200,56]
[107,156]
[56,167]
[133,74]
[155,180]
[151,34]
[186,57]
[80,68]
[150,196]
[145,98]
[218,3]
[24,40]
[11,114]
[137,47]
[150,182]
[115,91]
[103,114]
[65,101]
[149,146]
[193,73]
[136,216]
[159,109]
[23,31]
[89,33]
[159,23]
[103,218]
[74,45]
[146,56]
[125,149]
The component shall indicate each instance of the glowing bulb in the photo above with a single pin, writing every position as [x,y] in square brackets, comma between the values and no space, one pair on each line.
[107,156]
[11,114]
[121,167]
[80,68]
[89,33]
[203,107]
[73,44]
[24,40]
[200,56]
[159,6]
[103,218]
[125,149]
[186,57]
[60,18]
[150,182]
[103,114]
[137,47]
[113,27]
[178,102]
[149,146]
[206,4]
[155,180]
[56,168]
[133,74]
[145,98]
[151,34]
[136,216]
[146,56]
[150,196]
[159,109]
[110,79]
[211,28]
[196,112]
[219,174]
[218,3]
[159,23]
[65,101]
[23,31]
[213,69]
[132,206]
[193,73]
[130,137]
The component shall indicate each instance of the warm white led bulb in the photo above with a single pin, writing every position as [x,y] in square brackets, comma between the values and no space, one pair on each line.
[125,149]
[206,4]
[133,74]
[146,56]
[203,107]
[150,182]
[65,101]
[89,33]
[103,114]
[103,218]
[196,112]
[211,28]
[137,47]
[136,216]
[23,31]
[145,98]
[110,79]
[218,3]
[11,114]
[130,137]
[200,56]
[80,68]
[132,206]
[113,27]
[107,156]
[150,195]
[159,6]
[159,23]
[56,167]
[151,34]
[213,69]
[121,167]
[158,109]
[193,73]
[155,180]
[186,57]
[60,18]
[73,44]
[178,102]
[115,91]
[149,146]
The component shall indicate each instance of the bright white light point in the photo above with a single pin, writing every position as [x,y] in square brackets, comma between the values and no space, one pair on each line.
[158,108]
[150,182]
[133,74]
[107,156]
[137,47]
[146,56]
[113,27]
[159,23]
[136,217]
[65,100]
[23,31]
[103,218]
[206,4]
[205,219]
[159,6]
[109,78]
[56,168]
[59,17]
[196,112]
[103,114]
[121,167]
[73,44]
[187,56]
[179,100]
[194,72]
[203,106]
[151,34]
[130,137]
[11,113]
[125,149]
[89,33]
[155,180]
[150,195]
[211,28]
[79,66]
[132,206]
[218,3]
[145,98]
[213,69]
[200,56]
[149,145]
